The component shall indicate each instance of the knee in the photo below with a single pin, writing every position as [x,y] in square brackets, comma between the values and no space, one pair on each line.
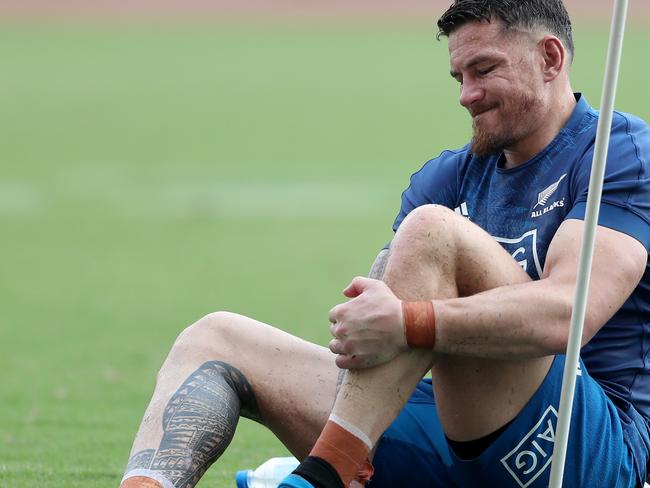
[426,228]
[209,337]
[427,217]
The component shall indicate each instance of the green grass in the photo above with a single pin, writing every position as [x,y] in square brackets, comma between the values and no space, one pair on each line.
[152,175]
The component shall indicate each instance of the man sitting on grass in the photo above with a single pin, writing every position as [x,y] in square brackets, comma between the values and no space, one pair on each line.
[477,288]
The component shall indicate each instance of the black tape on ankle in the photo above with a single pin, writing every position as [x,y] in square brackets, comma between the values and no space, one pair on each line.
[319,473]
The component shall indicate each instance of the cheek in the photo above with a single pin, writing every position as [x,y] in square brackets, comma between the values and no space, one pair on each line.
[530,84]
[499,90]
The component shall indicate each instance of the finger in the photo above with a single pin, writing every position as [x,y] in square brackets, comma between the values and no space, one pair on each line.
[349,361]
[344,362]
[338,331]
[333,314]
[357,286]
[336,346]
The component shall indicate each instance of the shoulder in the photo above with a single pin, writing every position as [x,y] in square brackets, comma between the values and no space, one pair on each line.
[628,151]
[627,130]
[437,181]
[632,131]
[445,167]
[629,122]
[625,203]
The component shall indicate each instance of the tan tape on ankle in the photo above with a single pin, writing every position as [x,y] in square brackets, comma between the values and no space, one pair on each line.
[365,472]
[419,324]
[140,482]
[345,452]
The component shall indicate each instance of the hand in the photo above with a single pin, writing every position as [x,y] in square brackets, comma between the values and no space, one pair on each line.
[369,329]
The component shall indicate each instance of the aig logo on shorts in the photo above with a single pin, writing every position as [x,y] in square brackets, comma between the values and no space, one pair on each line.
[532,456]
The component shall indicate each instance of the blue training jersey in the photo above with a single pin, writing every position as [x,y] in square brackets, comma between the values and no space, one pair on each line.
[523,207]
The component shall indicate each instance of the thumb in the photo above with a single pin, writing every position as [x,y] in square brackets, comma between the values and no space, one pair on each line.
[357,286]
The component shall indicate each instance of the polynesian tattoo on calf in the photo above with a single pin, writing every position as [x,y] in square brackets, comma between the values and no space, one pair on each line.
[141,460]
[198,423]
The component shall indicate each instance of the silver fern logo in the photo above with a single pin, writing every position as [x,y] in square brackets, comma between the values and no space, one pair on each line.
[544,195]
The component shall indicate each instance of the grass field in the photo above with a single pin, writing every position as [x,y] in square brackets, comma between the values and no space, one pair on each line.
[151,175]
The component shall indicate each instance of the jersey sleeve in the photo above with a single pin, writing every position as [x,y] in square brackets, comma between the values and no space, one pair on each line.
[625,204]
[436,182]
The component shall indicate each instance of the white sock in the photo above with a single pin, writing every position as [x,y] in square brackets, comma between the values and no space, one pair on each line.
[352,429]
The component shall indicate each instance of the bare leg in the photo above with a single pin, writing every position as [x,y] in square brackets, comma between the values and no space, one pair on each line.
[437,254]
[223,366]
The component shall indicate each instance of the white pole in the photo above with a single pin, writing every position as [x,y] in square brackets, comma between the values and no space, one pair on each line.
[586,254]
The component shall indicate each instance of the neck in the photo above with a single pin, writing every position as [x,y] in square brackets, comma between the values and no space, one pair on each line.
[550,124]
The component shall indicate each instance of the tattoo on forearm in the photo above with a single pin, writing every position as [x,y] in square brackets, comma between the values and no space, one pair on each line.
[198,423]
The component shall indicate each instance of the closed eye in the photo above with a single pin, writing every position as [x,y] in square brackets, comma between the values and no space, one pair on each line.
[483,72]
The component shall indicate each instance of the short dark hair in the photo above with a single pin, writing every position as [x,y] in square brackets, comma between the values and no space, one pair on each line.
[514,14]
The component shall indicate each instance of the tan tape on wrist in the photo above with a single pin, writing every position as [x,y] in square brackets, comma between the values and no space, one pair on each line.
[419,324]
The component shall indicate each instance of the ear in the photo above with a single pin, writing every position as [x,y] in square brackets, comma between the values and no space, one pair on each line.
[554,57]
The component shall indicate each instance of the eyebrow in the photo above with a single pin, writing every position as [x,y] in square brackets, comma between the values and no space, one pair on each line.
[481,58]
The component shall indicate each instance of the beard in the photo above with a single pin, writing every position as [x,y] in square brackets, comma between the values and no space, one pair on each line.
[515,124]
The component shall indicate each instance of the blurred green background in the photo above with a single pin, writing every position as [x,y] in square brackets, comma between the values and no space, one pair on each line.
[154,172]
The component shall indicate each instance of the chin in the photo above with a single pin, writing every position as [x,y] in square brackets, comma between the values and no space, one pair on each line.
[487,143]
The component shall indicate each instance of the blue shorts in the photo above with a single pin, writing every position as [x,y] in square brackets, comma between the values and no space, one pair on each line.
[607,447]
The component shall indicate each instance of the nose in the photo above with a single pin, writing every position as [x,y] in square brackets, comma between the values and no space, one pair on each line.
[470,93]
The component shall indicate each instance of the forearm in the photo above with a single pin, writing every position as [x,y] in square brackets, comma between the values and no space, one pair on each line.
[532,318]
[517,321]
